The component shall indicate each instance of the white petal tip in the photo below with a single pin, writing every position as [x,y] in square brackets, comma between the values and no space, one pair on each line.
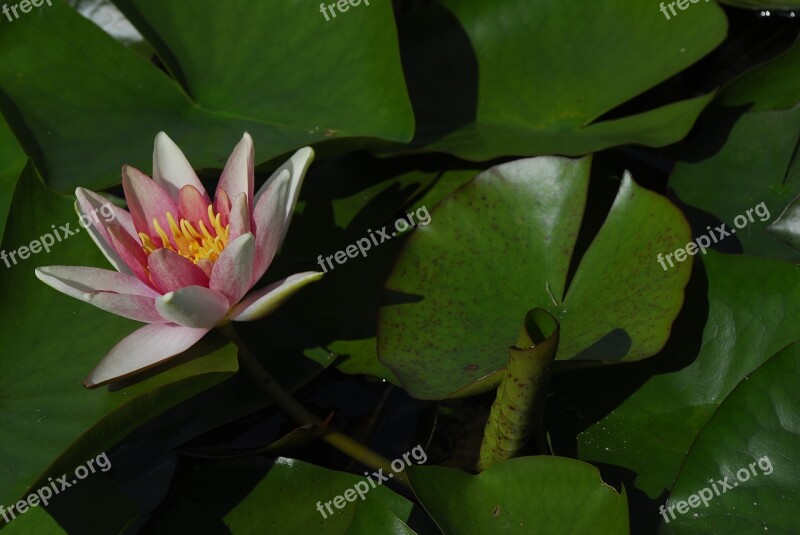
[265,301]
[306,154]
[95,379]
[46,275]
[164,149]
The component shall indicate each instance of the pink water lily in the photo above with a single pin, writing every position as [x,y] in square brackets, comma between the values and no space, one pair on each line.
[184,263]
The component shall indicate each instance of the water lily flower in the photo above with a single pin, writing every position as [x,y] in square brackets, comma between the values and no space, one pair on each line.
[184,263]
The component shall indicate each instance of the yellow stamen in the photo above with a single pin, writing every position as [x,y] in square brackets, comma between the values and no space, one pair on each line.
[189,231]
[163,235]
[218,225]
[190,243]
[147,243]
[206,233]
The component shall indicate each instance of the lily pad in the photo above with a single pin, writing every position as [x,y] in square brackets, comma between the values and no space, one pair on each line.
[773,86]
[534,77]
[744,155]
[754,311]
[95,111]
[300,487]
[520,496]
[35,520]
[502,245]
[12,160]
[345,199]
[787,226]
[747,456]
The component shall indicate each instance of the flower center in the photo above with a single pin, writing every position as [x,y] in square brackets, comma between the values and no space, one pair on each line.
[191,244]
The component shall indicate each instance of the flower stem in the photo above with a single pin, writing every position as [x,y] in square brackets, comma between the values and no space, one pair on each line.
[295,410]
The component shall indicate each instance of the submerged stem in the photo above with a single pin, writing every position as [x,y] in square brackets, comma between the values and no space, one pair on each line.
[295,410]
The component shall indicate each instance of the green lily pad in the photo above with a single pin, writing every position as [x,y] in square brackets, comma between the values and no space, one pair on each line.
[773,86]
[750,452]
[754,311]
[68,512]
[35,520]
[787,226]
[490,79]
[502,245]
[88,105]
[744,156]
[51,424]
[300,488]
[12,160]
[256,495]
[344,200]
[762,145]
[521,496]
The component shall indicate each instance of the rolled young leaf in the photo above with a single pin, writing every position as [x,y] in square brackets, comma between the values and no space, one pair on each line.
[520,397]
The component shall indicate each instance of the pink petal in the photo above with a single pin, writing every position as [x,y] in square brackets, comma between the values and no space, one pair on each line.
[233,269]
[89,203]
[275,203]
[237,176]
[92,205]
[143,349]
[117,293]
[193,306]
[169,271]
[172,171]
[147,201]
[90,279]
[270,224]
[264,301]
[206,265]
[239,218]
[193,207]
[130,251]
[133,307]
[222,205]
